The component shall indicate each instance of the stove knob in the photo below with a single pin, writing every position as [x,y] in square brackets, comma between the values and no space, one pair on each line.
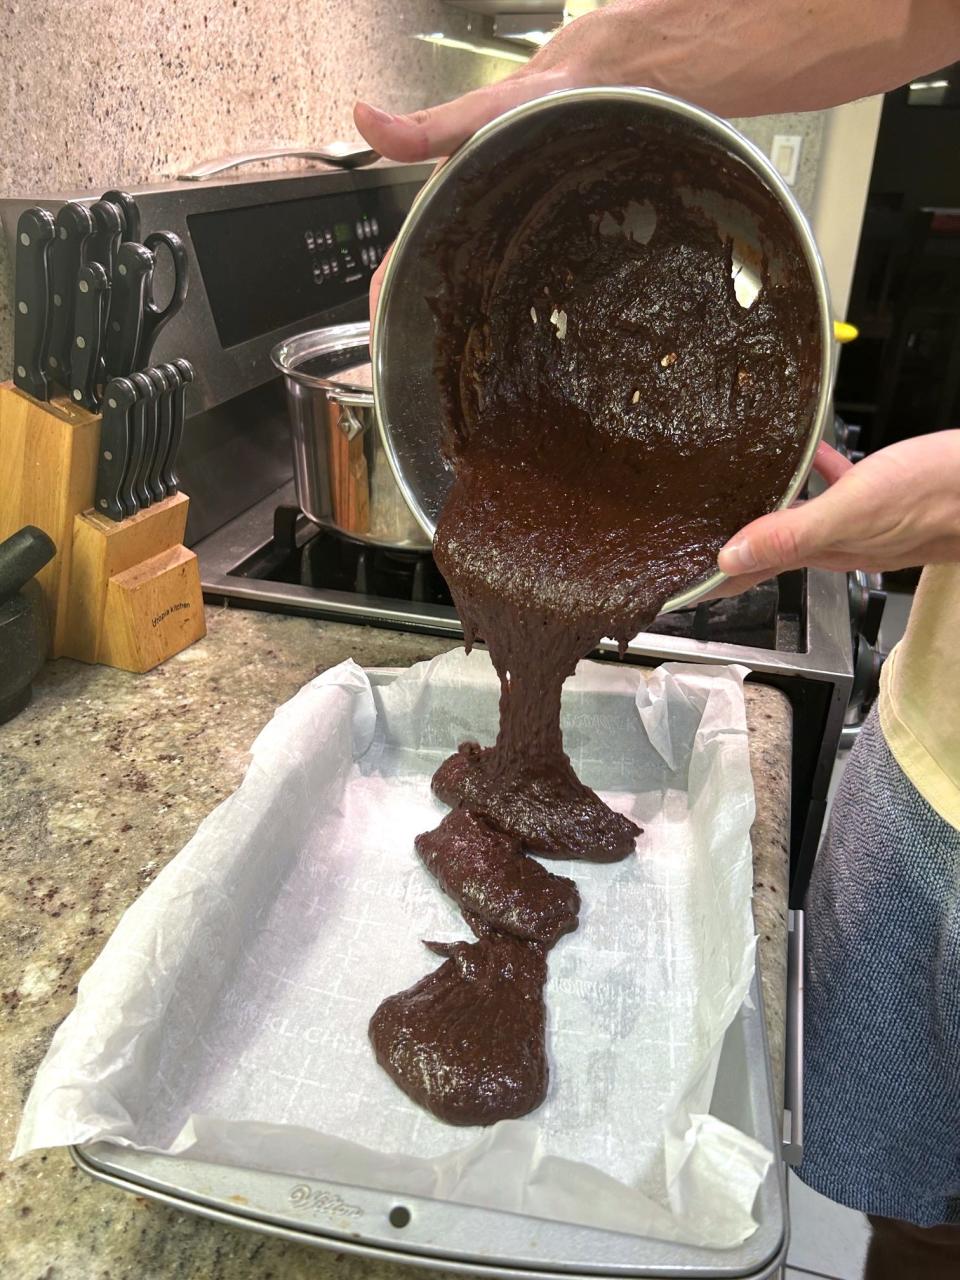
[857,590]
[867,665]
[873,615]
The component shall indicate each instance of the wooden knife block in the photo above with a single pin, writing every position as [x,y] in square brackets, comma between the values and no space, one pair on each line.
[123,594]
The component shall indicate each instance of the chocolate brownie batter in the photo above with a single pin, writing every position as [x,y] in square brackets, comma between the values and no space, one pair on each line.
[489,876]
[467,1042]
[614,413]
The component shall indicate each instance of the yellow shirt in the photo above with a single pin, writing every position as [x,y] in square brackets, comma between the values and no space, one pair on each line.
[920,693]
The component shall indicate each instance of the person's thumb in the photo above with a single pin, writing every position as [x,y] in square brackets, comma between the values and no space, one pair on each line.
[783,540]
[424,135]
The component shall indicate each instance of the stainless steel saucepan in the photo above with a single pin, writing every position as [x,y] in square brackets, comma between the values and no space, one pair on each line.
[343,478]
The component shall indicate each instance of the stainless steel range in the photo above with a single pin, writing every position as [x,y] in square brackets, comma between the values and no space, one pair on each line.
[282,252]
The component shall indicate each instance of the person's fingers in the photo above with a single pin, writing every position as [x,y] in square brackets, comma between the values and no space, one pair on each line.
[436,131]
[830,463]
[376,284]
[785,539]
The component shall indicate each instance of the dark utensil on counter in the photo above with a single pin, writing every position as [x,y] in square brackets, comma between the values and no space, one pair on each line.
[92,300]
[166,381]
[154,317]
[119,397]
[35,232]
[103,245]
[144,420]
[185,373]
[22,556]
[128,211]
[23,631]
[131,280]
[74,226]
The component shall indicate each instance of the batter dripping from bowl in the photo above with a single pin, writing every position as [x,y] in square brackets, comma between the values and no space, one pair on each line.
[614,413]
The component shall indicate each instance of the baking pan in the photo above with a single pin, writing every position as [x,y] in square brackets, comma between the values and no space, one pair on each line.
[453,1237]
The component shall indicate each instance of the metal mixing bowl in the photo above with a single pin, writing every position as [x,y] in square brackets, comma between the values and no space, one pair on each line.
[405,390]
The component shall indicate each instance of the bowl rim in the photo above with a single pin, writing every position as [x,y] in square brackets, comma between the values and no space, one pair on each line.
[744,150]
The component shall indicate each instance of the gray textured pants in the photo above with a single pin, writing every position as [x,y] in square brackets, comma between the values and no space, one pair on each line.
[882,1033]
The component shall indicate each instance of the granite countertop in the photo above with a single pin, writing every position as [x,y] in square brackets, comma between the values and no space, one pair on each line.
[103,779]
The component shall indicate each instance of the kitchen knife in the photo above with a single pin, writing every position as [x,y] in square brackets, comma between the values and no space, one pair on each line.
[137,439]
[131,280]
[166,379]
[154,317]
[74,227]
[145,436]
[107,233]
[119,397]
[92,300]
[185,374]
[165,411]
[128,211]
[35,231]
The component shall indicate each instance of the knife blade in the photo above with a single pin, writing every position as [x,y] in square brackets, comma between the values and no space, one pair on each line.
[131,281]
[74,226]
[35,231]
[154,317]
[128,210]
[119,397]
[93,298]
[185,374]
[145,433]
[166,380]
[107,233]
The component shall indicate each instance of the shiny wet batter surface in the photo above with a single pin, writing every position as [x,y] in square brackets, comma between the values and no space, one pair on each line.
[614,414]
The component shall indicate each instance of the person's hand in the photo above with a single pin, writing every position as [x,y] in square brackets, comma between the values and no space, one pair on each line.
[897,508]
[746,59]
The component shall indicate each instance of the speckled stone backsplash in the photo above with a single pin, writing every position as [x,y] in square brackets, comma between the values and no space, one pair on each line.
[107,93]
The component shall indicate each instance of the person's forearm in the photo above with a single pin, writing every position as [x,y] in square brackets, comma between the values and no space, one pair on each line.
[765,55]
[736,59]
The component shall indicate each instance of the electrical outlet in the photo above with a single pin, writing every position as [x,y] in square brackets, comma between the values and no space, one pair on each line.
[785,154]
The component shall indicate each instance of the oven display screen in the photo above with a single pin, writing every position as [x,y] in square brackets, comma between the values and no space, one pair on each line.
[268,266]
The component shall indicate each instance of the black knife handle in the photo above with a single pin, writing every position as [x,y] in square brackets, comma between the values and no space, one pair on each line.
[165,426]
[35,231]
[145,433]
[107,233]
[131,281]
[138,441]
[166,381]
[119,397]
[93,296]
[185,374]
[128,210]
[154,317]
[66,257]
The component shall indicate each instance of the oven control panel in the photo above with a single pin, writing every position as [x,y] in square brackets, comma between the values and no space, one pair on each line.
[268,266]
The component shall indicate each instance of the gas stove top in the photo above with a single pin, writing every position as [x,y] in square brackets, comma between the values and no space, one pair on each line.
[273,557]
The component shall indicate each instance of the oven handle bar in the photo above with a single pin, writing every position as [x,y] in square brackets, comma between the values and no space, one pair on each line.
[793,1081]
